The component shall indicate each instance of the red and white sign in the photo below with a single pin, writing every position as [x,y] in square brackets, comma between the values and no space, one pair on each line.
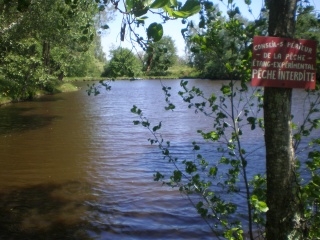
[283,62]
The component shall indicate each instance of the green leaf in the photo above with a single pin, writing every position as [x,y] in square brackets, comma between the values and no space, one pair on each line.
[214,136]
[129,4]
[252,121]
[101,8]
[224,160]
[174,3]
[170,107]
[83,39]
[105,26]
[157,176]
[177,176]
[213,171]
[228,67]
[190,167]
[155,31]
[190,8]
[226,89]
[156,128]
[140,12]
[159,3]
[168,9]
[165,152]
[259,205]
[263,206]
[145,123]
[202,24]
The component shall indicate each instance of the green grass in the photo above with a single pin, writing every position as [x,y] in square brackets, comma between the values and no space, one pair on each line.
[4,100]
[183,71]
[75,79]
[62,87]
[66,87]
[175,72]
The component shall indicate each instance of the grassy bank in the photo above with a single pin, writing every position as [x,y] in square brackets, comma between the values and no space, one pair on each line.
[62,87]
[77,79]
[178,71]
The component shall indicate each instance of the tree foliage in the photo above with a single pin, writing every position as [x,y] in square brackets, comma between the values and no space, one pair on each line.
[59,33]
[308,27]
[160,56]
[123,63]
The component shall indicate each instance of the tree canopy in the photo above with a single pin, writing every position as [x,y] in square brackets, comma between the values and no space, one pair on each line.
[50,39]
[160,56]
[123,63]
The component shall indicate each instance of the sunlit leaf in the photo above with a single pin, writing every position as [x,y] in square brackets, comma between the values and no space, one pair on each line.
[259,205]
[159,3]
[174,3]
[225,89]
[168,9]
[213,171]
[190,8]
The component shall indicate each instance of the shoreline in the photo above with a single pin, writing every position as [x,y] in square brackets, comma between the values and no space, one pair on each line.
[68,86]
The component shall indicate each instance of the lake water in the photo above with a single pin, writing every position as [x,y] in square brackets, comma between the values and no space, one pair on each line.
[75,167]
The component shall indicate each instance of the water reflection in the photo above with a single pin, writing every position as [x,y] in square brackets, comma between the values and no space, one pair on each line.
[18,119]
[45,211]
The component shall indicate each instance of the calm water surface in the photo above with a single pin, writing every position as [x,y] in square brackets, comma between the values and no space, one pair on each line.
[75,167]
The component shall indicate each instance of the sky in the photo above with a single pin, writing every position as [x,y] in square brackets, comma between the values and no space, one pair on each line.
[111,38]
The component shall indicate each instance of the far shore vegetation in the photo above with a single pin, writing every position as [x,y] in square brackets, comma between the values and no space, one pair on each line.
[177,71]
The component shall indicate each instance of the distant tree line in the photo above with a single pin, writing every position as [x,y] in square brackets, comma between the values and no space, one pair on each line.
[155,61]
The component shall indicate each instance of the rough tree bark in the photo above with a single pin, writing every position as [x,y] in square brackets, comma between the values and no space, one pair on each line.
[278,137]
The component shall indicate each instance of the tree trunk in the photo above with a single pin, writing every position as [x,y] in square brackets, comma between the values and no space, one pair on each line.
[278,137]
[280,163]
[46,55]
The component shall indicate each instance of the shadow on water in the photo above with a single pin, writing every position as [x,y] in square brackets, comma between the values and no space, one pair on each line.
[46,211]
[48,98]
[17,119]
